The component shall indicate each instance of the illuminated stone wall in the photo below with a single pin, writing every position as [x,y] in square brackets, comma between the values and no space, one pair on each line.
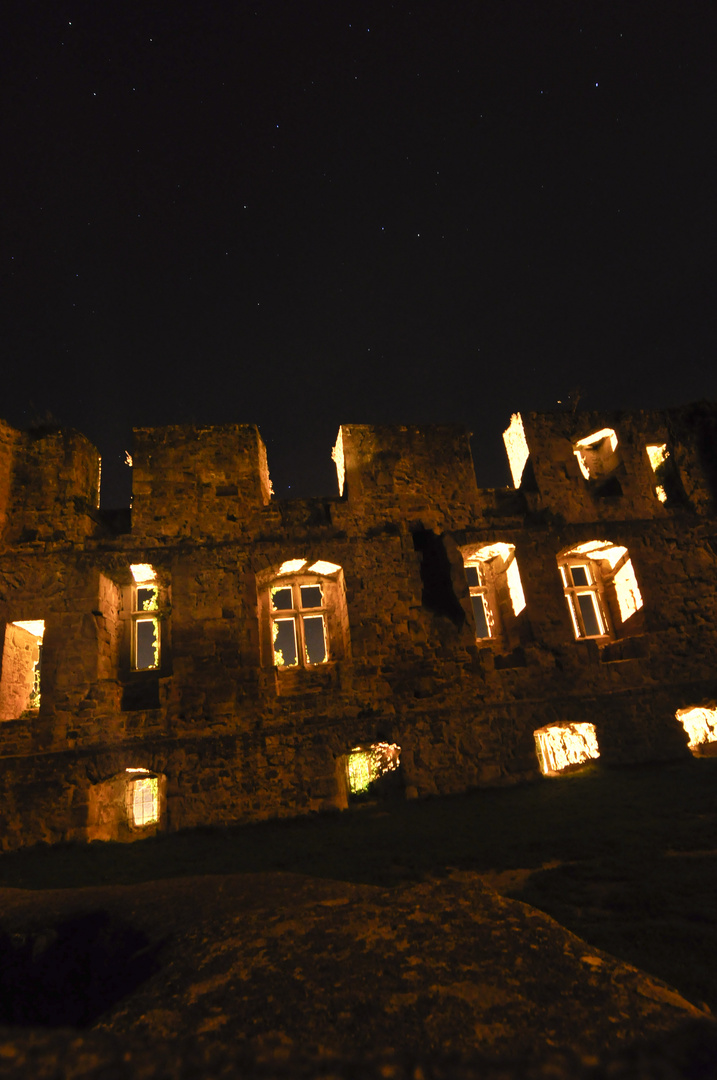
[239,739]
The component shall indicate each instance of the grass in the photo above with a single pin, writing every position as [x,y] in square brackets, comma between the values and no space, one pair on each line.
[632,875]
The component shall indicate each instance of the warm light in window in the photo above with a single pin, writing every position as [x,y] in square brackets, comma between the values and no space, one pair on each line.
[592,451]
[563,745]
[516,446]
[700,725]
[323,567]
[145,801]
[365,765]
[292,566]
[142,572]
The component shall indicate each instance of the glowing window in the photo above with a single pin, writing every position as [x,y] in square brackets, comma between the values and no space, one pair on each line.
[582,592]
[561,745]
[145,618]
[516,446]
[488,570]
[145,800]
[298,623]
[21,668]
[596,454]
[367,764]
[599,576]
[700,724]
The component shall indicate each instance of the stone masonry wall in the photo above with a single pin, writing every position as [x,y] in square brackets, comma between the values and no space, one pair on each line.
[236,738]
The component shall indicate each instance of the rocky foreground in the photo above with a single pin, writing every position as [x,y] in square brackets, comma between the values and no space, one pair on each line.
[260,975]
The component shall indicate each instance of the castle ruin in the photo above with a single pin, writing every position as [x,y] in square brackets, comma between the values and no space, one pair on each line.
[218,655]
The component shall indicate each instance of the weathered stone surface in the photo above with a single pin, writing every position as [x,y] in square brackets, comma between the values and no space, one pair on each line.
[237,737]
[279,974]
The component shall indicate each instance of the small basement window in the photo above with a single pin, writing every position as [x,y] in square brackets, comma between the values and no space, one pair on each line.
[144,800]
[700,723]
[21,673]
[564,746]
[367,765]
[597,454]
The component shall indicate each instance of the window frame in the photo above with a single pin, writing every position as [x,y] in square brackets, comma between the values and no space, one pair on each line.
[594,589]
[298,573]
[142,614]
[297,614]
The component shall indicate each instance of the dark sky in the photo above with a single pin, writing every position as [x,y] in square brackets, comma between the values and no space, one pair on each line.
[300,214]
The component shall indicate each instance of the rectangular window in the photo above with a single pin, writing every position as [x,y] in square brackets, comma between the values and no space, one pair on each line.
[285,651]
[145,800]
[482,614]
[299,633]
[145,625]
[582,592]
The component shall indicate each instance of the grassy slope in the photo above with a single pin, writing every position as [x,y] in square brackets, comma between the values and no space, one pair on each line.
[610,831]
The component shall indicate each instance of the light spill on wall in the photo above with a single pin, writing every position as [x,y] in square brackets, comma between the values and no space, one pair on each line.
[337,456]
[700,725]
[563,745]
[516,446]
[142,573]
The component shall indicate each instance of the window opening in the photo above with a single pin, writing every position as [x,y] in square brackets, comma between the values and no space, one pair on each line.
[516,446]
[561,746]
[596,453]
[700,724]
[582,592]
[668,487]
[484,569]
[586,572]
[145,625]
[365,765]
[21,684]
[299,633]
[145,800]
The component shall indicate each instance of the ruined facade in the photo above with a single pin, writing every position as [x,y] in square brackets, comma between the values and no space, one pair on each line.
[220,655]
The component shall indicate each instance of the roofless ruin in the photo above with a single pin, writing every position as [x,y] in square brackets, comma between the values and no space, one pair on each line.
[228,656]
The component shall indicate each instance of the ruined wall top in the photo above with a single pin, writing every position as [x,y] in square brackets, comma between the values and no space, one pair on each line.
[642,464]
[211,483]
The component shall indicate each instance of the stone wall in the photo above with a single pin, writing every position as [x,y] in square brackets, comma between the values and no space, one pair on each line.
[236,737]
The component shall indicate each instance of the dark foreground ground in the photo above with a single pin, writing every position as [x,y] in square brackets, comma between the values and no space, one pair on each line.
[373,943]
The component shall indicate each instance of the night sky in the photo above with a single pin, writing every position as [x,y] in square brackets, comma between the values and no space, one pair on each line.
[300,214]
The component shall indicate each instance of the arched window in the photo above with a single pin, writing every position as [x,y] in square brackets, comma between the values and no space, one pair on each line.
[303,614]
[495,588]
[600,588]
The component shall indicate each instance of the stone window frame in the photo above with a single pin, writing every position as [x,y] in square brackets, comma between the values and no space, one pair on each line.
[140,613]
[605,563]
[502,598]
[333,610]
[594,589]
[141,782]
